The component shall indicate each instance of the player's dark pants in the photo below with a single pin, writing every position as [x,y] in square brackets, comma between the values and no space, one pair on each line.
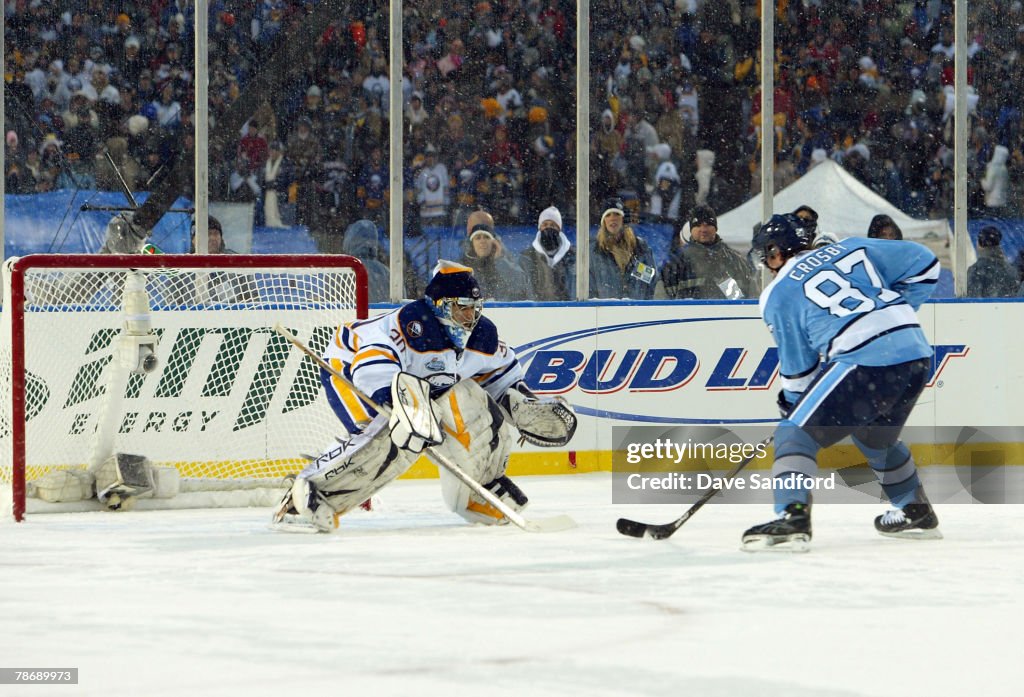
[869,403]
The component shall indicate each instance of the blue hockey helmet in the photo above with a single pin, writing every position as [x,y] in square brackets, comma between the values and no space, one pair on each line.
[787,234]
[455,297]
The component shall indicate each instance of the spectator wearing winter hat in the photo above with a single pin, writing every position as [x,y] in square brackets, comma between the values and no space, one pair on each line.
[129,61]
[702,266]
[809,216]
[884,228]
[220,287]
[415,114]
[70,86]
[215,232]
[606,158]
[499,276]
[550,262]
[992,276]
[621,262]
[666,198]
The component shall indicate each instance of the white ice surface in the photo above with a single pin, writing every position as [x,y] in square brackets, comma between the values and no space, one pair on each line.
[408,600]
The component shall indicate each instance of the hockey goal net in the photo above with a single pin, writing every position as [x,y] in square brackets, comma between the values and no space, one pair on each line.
[173,358]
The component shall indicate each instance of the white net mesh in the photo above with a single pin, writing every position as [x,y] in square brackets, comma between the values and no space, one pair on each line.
[230,403]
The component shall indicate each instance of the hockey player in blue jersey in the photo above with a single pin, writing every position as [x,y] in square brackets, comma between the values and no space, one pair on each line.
[853,361]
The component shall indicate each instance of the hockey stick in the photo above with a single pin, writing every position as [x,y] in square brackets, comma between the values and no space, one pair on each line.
[634,528]
[562,522]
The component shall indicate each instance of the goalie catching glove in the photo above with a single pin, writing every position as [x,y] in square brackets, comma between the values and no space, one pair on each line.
[545,421]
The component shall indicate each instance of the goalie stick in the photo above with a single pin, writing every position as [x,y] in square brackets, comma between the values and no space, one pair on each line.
[554,524]
[634,528]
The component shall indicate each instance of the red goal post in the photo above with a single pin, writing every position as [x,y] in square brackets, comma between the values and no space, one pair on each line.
[172,357]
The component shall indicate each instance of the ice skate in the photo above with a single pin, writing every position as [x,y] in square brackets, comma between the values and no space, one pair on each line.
[480,511]
[316,516]
[284,506]
[789,533]
[915,521]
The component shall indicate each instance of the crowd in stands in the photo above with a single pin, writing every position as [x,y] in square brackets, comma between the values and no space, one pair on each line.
[488,117]
[489,105]
[867,83]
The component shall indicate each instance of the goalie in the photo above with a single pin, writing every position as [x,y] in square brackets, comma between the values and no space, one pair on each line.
[445,381]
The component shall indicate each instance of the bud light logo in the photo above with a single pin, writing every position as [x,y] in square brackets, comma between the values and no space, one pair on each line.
[643,379]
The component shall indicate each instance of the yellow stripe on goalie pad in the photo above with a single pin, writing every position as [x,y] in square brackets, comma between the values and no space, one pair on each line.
[460,433]
[484,509]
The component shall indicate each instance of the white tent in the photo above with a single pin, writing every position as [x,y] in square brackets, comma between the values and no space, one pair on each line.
[845,208]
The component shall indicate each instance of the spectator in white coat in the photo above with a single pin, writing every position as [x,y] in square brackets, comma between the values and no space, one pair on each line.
[432,190]
[705,177]
[996,182]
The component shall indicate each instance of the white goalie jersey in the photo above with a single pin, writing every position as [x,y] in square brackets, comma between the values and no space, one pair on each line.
[411,339]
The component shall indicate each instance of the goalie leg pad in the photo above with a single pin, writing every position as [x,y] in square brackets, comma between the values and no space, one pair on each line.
[479,440]
[350,472]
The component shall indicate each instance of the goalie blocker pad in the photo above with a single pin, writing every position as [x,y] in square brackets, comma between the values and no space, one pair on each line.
[413,423]
[545,421]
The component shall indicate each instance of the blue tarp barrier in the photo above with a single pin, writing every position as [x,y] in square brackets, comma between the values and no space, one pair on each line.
[54,223]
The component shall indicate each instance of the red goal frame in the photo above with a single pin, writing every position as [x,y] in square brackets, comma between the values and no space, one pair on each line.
[16,306]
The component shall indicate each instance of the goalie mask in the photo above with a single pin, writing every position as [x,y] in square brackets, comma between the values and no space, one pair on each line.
[455,298]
